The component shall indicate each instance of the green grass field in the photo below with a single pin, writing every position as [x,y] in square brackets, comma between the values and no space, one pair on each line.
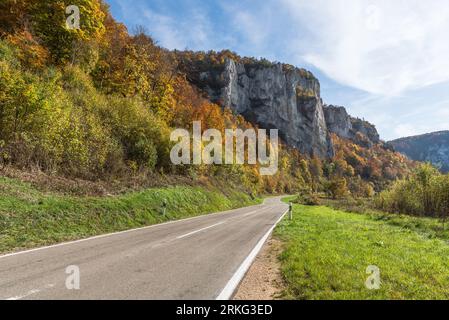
[30,218]
[327,253]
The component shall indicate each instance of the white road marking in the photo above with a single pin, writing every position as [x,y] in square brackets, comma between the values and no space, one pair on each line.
[233,283]
[255,211]
[199,230]
[31,292]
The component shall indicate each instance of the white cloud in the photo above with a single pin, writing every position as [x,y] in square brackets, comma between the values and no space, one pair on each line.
[411,129]
[251,27]
[192,30]
[164,29]
[397,117]
[384,47]
[405,130]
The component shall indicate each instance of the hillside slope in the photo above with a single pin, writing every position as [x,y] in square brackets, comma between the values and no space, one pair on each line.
[104,109]
[431,147]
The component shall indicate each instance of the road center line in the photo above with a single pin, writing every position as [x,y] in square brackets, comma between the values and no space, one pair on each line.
[255,211]
[199,230]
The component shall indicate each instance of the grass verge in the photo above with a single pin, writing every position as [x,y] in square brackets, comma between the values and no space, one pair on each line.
[327,252]
[429,227]
[31,218]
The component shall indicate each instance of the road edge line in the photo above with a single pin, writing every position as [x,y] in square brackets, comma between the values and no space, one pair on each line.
[234,282]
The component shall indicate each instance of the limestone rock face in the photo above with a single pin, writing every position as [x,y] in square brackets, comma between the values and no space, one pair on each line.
[366,129]
[283,97]
[338,121]
[342,124]
[276,96]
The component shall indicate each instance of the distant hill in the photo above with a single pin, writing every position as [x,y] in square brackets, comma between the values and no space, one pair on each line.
[431,147]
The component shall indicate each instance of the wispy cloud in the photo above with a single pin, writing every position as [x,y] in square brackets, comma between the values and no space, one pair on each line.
[419,112]
[191,30]
[384,47]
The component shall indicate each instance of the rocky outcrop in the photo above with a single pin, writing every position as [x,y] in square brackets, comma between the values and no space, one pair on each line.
[366,129]
[275,95]
[431,147]
[342,124]
[338,121]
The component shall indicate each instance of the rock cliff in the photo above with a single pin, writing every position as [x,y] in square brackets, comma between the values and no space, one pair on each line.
[275,95]
[342,124]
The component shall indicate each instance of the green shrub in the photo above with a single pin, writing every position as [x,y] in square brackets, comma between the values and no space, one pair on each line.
[338,188]
[426,192]
[307,197]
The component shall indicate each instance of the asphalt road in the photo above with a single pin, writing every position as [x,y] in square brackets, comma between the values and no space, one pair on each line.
[188,259]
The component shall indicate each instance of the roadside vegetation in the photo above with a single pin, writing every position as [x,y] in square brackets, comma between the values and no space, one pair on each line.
[424,193]
[428,226]
[336,235]
[31,218]
[327,252]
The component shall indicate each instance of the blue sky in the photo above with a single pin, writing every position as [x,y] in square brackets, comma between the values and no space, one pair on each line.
[385,61]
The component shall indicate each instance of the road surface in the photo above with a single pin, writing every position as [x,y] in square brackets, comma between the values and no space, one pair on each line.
[197,258]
